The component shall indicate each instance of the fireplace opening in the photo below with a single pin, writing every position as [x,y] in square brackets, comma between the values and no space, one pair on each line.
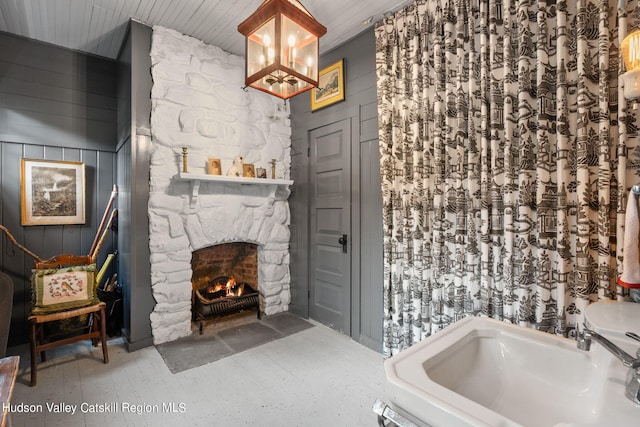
[224,280]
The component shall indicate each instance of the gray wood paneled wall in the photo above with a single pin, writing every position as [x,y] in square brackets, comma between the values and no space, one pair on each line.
[366,223]
[55,104]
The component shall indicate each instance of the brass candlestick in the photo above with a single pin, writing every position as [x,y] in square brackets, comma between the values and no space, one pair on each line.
[184,159]
[273,168]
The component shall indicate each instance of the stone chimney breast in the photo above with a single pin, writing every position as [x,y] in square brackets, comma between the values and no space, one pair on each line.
[198,103]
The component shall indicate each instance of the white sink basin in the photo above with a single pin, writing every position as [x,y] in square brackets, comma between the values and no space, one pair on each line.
[485,372]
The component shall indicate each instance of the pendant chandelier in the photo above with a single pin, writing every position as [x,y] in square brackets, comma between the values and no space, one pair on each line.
[281,48]
[630,48]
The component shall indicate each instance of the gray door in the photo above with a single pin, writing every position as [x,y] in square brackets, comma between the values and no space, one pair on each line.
[330,254]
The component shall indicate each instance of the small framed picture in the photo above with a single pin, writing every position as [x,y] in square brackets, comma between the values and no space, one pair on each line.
[261,173]
[51,192]
[248,170]
[330,86]
[213,167]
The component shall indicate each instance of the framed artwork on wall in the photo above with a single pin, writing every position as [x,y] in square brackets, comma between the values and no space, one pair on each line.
[330,86]
[51,192]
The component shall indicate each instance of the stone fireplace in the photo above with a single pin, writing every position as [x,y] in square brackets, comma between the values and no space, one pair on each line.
[198,104]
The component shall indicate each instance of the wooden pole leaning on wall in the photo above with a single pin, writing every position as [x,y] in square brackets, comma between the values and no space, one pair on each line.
[100,232]
[94,254]
[13,240]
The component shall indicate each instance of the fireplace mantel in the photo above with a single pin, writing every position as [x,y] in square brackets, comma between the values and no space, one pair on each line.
[196,178]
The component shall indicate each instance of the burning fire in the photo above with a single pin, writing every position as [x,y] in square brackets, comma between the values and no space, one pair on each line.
[230,288]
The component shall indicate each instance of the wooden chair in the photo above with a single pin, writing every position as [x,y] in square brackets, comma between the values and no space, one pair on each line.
[37,339]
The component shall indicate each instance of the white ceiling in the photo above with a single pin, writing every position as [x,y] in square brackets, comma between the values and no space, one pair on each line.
[98,26]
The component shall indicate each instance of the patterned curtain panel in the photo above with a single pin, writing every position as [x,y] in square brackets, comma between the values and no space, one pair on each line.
[507,155]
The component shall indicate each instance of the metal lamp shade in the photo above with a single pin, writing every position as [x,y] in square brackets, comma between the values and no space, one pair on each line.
[281,48]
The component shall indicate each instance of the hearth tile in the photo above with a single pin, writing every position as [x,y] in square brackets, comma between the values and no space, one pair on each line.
[194,350]
[247,336]
[286,323]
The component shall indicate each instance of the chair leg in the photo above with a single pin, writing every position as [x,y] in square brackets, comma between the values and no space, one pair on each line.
[40,339]
[34,354]
[103,334]
[94,327]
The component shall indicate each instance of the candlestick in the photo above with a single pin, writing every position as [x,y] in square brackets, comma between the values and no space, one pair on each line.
[184,159]
[266,40]
[273,168]
[292,51]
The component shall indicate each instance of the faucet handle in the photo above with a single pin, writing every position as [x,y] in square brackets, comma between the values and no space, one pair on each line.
[584,339]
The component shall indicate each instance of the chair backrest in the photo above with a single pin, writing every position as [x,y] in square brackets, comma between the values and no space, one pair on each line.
[62,261]
[6,306]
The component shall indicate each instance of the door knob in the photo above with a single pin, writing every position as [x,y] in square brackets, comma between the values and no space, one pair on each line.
[343,242]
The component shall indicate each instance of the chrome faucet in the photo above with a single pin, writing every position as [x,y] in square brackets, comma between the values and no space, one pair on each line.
[632,390]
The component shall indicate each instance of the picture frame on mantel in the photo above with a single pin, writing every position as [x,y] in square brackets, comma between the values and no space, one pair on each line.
[52,192]
[214,167]
[248,170]
[330,86]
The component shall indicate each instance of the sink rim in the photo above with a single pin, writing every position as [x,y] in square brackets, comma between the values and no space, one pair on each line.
[399,369]
[407,383]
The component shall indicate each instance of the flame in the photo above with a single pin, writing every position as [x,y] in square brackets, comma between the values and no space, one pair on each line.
[211,289]
[231,288]
[230,284]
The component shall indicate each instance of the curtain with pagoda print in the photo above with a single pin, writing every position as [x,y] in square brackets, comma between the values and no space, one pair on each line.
[507,153]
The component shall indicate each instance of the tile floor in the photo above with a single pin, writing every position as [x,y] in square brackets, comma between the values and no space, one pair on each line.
[315,377]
